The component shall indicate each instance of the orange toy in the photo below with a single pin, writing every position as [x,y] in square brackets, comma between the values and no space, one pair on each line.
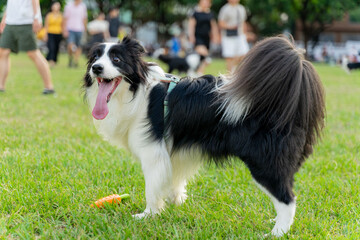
[112,199]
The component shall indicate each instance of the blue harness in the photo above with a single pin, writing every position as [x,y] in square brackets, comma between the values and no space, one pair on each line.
[173,81]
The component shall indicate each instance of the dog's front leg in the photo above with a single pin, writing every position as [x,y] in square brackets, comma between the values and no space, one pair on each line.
[156,166]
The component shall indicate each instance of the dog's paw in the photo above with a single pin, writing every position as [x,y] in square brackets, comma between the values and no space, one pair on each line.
[178,199]
[141,215]
[146,213]
[273,220]
[273,234]
[279,231]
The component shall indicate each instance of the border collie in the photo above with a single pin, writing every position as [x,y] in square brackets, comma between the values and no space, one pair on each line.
[188,64]
[268,113]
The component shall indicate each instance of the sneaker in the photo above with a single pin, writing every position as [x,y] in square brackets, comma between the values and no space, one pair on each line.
[2,90]
[48,91]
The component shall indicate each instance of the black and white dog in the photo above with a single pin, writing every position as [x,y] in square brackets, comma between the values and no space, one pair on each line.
[269,114]
[188,64]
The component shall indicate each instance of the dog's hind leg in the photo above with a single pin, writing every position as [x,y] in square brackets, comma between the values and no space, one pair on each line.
[185,164]
[156,166]
[280,192]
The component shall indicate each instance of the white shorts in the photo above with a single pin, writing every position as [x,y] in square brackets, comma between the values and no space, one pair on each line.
[234,46]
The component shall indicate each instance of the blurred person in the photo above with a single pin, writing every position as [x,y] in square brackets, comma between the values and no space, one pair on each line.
[325,55]
[114,24]
[232,18]
[175,45]
[354,62]
[98,29]
[18,26]
[53,26]
[202,29]
[74,25]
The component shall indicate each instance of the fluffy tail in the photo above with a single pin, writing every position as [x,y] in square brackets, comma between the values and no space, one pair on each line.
[277,85]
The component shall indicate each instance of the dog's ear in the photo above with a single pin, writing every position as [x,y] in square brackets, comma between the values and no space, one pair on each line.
[133,45]
[92,50]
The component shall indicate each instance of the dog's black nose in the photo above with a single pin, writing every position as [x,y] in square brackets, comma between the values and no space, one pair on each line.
[97,68]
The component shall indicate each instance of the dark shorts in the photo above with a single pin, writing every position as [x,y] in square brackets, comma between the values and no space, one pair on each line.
[75,38]
[18,38]
[202,40]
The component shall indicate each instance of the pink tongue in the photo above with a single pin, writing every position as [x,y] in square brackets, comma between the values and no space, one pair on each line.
[101,110]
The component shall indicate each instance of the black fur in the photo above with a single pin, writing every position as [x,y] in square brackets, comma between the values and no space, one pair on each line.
[194,120]
[180,63]
[96,51]
[273,153]
[175,63]
[131,65]
[156,111]
[269,113]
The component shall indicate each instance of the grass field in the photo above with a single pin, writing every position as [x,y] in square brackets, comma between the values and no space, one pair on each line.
[53,165]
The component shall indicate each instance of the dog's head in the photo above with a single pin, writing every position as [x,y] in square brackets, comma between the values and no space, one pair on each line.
[109,65]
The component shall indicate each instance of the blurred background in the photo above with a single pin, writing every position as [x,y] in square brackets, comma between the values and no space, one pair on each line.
[328,29]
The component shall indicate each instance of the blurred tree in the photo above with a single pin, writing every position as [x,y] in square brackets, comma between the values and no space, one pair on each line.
[2,6]
[267,17]
[355,15]
[46,5]
[316,15]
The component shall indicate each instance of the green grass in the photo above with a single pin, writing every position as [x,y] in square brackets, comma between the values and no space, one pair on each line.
[53,165]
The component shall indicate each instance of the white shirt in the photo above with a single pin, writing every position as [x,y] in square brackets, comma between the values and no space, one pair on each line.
[20,12]
[233,15]
[98,26]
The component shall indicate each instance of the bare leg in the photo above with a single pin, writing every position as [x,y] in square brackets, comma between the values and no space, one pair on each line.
[4,66]
[70,48]
[202,51]
[77,56]
[229,64]
[42,67]
[202,67]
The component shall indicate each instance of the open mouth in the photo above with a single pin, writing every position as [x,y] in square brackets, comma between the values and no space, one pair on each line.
[106,88]
[115,81]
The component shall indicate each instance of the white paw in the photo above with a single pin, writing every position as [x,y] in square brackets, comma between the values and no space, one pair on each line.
[145,214]
[178,199]
[140,215]
[279,231]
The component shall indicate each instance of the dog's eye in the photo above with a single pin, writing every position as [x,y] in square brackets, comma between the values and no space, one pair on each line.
[116,59]
[96,57]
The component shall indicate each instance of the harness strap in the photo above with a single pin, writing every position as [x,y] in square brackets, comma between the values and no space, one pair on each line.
[173,81]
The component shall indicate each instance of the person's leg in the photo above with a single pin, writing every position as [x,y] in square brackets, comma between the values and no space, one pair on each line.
[42,67]
[77,53]
[77,56]
[232,63]
[202,51]
[229,52]
[4,66]
[229,64]
[8,44]
[71,47]
[51,47]
[58,38]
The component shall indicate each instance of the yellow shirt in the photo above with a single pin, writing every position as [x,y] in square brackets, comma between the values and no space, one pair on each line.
[54,23]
